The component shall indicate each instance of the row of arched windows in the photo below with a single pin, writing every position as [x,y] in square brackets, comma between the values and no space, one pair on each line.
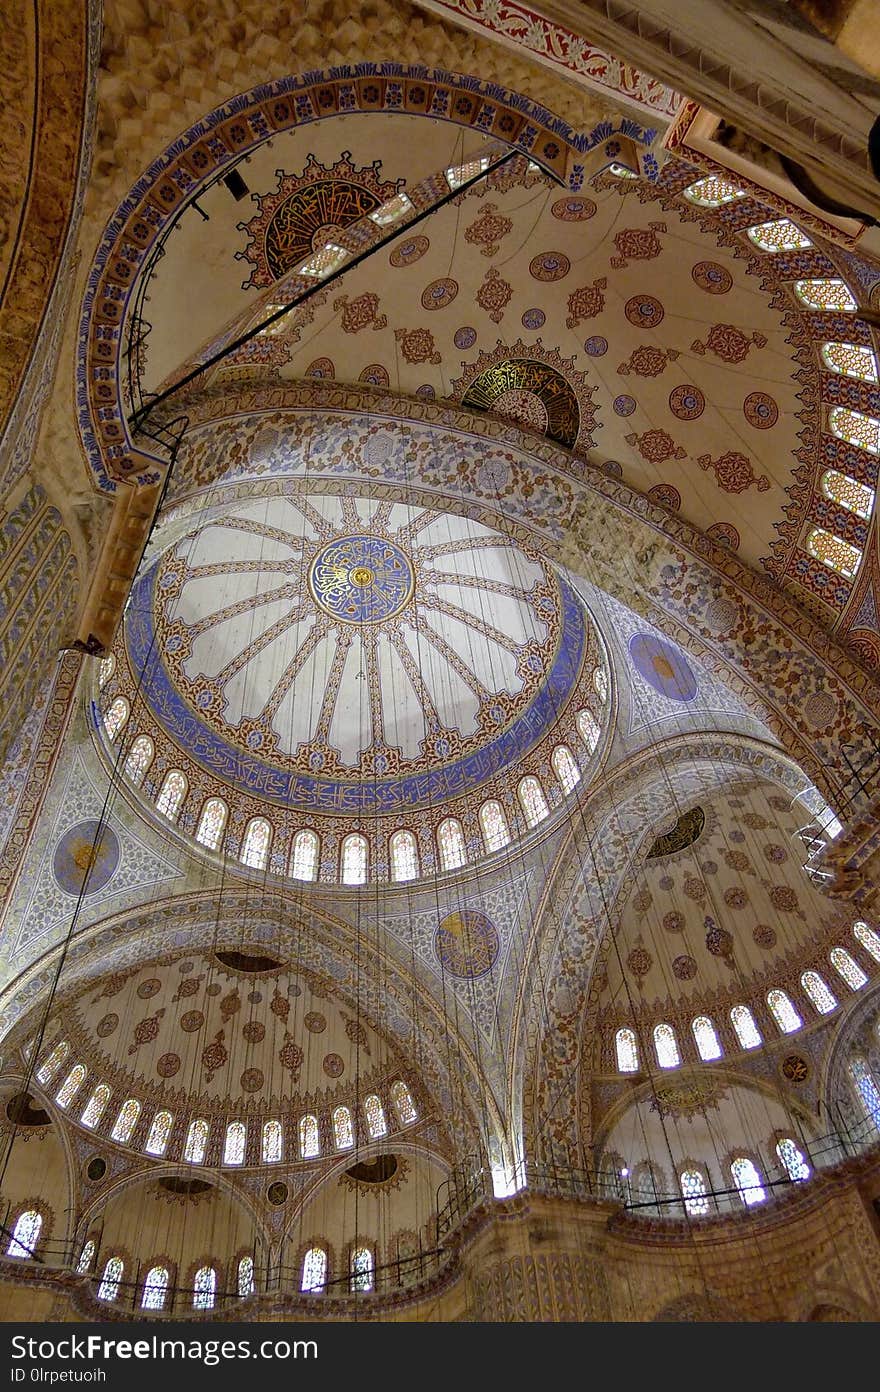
[815,986]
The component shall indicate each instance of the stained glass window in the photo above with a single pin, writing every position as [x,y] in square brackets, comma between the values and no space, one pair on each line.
[53,1062]
[565,767]
[71,1085]
[361,1269]
[106,668]
[834,552]
[817,989]
[825,294]
[666,1046]
[234,1146]
[404,856]
[460,173]
[211,823]
[783,1011]
[620,171]
[273,1142]
[493,825]
[196,1141]
[86,1257]
[322,263]
[314,1270]
[354,859]
[140,756]
[160,1130]
[246,1285]
[747,1180]
[793,1159]
[450,841]
[116,716]
[850,360]
[848,492]
[25,1234]
[866,1088]
[94,1108]
[256,843]
[780,235]
[712,192]
[627,1051]
[855,428]
[589,729]
[693,1188]
[401,1100]
[377,1126]
[397,207]
[111,1279]
[600,683]
[309,1137]
[126,1121]
[343,1134]
[155,1288]
[747,1031]
[204,1288]
[304,864]
[706,1039]
[868,938]
[532,801]
[847,967]
[171,795]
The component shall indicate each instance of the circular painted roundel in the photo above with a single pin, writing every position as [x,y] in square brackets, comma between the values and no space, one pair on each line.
[466,943]
[82,863]
[662,667]
[361,579]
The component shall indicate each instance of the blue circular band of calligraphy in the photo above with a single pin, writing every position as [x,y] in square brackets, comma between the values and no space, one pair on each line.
[663,667]
[84,861]
[466,943]
[361,579]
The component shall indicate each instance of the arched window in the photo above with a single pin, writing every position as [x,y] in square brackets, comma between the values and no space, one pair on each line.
[848,492]
[565,767]
[86,1257]
[401,1101]
[309,1137]
[204,1288]
[155,1288]
[747,1031]
[627,1051]
[246,1284]
[666,1046]
[140,756]
[850,360]
[212,823]
[450,843]
[706,1039]
[747,1180]
[171,795]
[712,192]
[857,429]
[866,1088]
[196,1141]
[306,850]
[361,1270]
[532,801]
[868,938]
[51,1065]
[111,1279]
[404,856]
[314,1270]
[71,1085]
[126,1121]
[343,1134]
[817,989]
[377,1126]
[160,1130]
[25,1234]
[493,825]
[256,843]
[779,235]
[833,552]
[693,1188]
[95,1107]
[106,668]
[600,683]
[589,729]
[792,1158]
[273,1142]
[783,1011]
[825,294]
[234,1145]
[354,859]
[847,967]
[115,717]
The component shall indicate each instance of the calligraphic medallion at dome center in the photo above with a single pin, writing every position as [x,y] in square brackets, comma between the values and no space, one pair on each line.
[361,579]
